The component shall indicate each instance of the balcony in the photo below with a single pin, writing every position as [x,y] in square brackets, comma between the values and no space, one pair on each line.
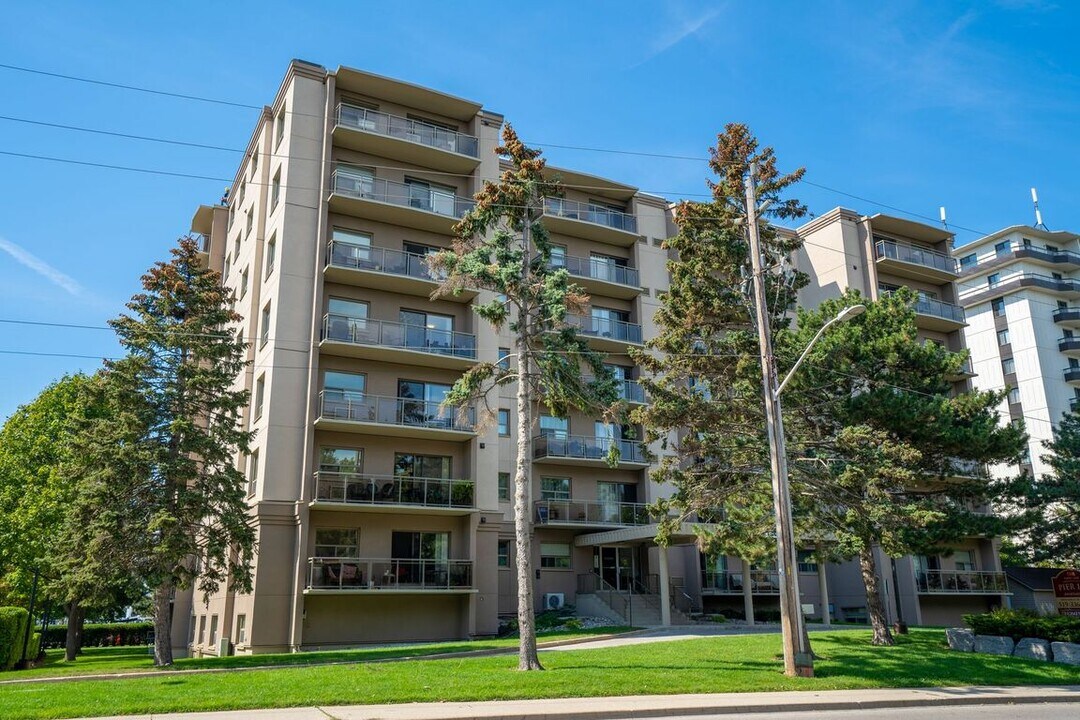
[397,342]
[412,141]
[1072,376]
[601,277]
[965,372]
[933,314]
[348,411]
[1058,259]
[1068,316]
[385,269]
[1066,288]
[1070,346]
[412,205]
[582,450]
[632,392]
[362,575]
[589,221]
[338,490]
[582,513]
[960,582]
[606,334]
[762,582]
[913,261]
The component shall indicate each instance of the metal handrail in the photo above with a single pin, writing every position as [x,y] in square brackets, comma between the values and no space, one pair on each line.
[603,327]
[558,207]
[402,128]
[595,268]
[361,489]
[412,196]
[587,448]
[960,581]
[590,512]
[1066,313]
[388,573]
[409,412]
[404,336]
[892,250]
[618,600]
[379,259]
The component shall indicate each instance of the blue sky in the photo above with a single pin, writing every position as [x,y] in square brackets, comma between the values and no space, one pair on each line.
[914,105]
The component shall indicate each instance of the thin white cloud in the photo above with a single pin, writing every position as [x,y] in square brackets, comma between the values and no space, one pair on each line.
[677,34]
[41,267]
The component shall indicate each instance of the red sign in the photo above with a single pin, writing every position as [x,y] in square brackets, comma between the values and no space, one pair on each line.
[1067,592]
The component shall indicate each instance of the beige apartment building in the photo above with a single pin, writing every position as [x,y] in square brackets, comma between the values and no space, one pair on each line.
[382,518]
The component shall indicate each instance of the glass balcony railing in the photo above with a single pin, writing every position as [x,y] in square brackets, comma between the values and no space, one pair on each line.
[359,407]
[377,259]
[600,327]
[580,447]
[762,582]
[588,212]
[331,573]
[629,390]
[937,308]
[598,269]
[960,581]
[587,512]
[888,249]
[399,336]
[350,488]
[416,131]
[416,196]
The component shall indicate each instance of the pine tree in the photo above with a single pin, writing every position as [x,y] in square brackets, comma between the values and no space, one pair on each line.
[502,246]
[161,490]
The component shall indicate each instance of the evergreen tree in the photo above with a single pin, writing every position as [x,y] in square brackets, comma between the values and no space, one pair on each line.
[892,457]
[502,246]
[160,491]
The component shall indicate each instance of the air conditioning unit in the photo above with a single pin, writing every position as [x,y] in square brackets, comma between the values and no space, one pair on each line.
[554,601]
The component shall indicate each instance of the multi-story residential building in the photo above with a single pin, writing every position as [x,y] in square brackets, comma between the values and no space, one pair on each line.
[1019,288]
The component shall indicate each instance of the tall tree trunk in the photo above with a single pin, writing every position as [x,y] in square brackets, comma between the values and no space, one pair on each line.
[747,592]
[874,606]
[163,625]
[76,615]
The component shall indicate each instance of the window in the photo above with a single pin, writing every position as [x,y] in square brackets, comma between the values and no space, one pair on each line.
[555,488]
[275,190]
[243,191]
[236,248]
[337,543]
[807,563]
[346,320]
[608,267]
[554,427]
[260,389]
[1008,366]
[250,222]
[271,254]
[998,306]
[356,181]
[225,271]
[264,326]
[1003,337]
[213,630]
[430,196]
[504,553]
[1014,396]
[965,560]
[191,630]
[279,127]
[241,629]
[1067,334]
[253,473]
[430,331]
[420,545]
[993,279]
[555,556]
[607,322]
[1002,247]
[504,486]
[504,423]
[351,249]
[968,261]
[243,283]
[504,359]
[422,403]
[423,466]
[202,629]
[344,460]
[1062,305]
[254,161]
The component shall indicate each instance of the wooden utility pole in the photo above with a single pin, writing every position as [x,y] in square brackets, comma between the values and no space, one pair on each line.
[797,657]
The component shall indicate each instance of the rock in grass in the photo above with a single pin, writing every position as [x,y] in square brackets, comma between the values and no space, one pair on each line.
[1033,649]
[994,645]
[960,639]
[1067,653]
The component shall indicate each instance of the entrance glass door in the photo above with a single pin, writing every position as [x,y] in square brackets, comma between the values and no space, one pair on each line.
[616,566]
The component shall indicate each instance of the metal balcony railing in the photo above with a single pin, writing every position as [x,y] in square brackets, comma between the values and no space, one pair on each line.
[418,197]
[590,512]
[327,573]
[352,488]
[960,581]
[1067,314]
[400,336]
[1072,374]
[416,131]
[581,447]
[377,259]
[1041,253]
[889,249]
[360,407]
[762,582]
[587,212]
[598,269]
[606,328]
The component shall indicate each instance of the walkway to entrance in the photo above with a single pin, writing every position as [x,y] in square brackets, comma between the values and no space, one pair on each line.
[689,632]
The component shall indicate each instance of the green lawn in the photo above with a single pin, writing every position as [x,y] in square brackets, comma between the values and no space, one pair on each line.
[95,661]
[718,664]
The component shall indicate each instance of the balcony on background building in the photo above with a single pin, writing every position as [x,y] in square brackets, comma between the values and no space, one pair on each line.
[1005,254]
[413,141]
[385,575]
[385,269]
[1072,376]
[600,276]
[396,342]
[1068,317]
[961,582]
[913,261]
[395,203]
[1065,288]
[577,513]
[393,493]
[1070,346]
[583,450]
[349,411]
[590,221]
[605,334]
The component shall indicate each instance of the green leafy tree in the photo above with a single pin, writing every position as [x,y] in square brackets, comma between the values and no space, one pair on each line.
[502,246]
[891,455]
[160,490]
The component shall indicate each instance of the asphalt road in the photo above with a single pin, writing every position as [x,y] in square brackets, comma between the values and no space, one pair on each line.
[1060,711]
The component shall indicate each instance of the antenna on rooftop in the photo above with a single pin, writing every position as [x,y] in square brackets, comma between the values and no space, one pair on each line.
[944,223]
[1038,213]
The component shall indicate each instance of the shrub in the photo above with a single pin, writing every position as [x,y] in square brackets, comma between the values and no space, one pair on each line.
[103,634]
[13,621]
[1019,624]
[33,652]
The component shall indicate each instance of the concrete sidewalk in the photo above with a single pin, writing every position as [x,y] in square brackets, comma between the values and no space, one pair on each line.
[650,706]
